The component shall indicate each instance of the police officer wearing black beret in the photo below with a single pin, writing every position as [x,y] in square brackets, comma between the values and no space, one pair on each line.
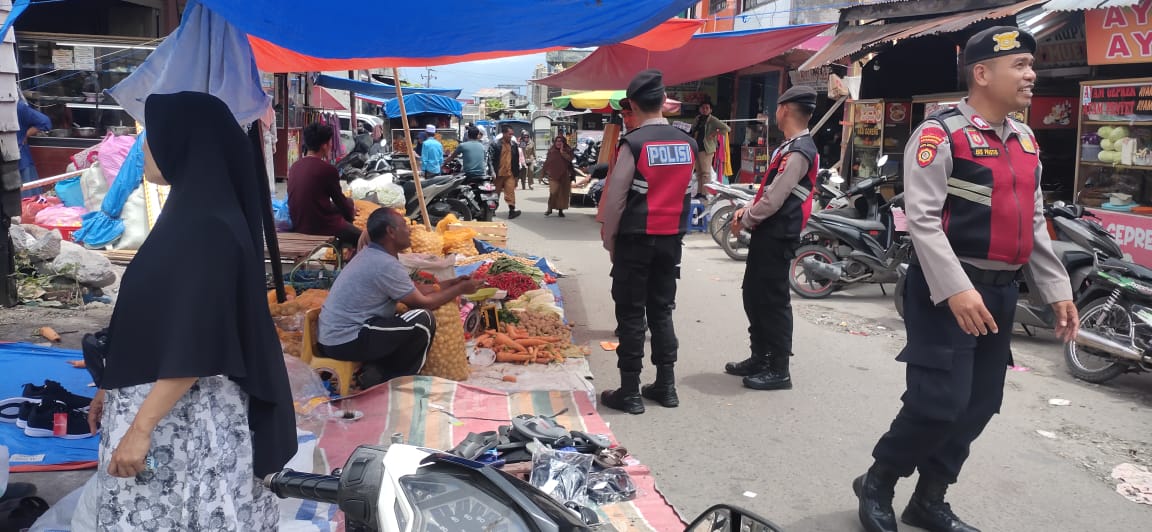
[965,169]
[776,218]
[644,209]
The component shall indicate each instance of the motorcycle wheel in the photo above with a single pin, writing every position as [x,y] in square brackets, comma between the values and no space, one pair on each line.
[721,218]
[1094,316]
[899,295]
[811,288]
[732,246]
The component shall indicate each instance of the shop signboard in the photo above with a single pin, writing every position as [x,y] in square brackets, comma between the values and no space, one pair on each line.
[1053,112]
[816,78]
[869,123]
[1130,101]
[1119,34]
[1133,232]
[897,126]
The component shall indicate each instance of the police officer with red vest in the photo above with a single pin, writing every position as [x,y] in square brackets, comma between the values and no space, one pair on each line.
[776,218]
[644,209]
[975,214]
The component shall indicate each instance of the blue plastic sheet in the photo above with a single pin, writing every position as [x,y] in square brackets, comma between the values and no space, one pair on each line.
[475,26]
[377,90]
[416,104]
[27,363]
[103,227]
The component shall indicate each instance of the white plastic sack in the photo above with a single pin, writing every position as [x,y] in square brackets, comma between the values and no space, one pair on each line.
[94,187]
[135,218]
[387,193]
[443,268]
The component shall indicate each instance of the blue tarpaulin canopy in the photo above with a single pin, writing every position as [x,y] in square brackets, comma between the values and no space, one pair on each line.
[299,26]
[377,90]
[417,104]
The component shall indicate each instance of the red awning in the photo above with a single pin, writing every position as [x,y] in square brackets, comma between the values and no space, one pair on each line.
[324,100]
[272,58]
[705,55]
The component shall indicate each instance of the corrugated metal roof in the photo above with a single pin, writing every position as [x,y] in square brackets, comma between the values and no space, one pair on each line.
[857,38]
[1080,5]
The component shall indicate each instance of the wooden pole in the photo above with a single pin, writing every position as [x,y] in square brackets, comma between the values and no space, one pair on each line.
[352,105]
[411,150]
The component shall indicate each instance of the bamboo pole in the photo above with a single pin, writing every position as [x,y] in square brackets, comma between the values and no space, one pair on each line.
[411,150]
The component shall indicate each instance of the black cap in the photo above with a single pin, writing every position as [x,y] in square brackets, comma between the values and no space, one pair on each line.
[647,86]
[799,94]
[996,42]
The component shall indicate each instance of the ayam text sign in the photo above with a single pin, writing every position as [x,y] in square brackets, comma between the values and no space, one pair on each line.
[1119,34]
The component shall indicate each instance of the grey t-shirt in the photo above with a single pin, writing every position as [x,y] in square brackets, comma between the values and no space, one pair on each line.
[473,153]
[369,287]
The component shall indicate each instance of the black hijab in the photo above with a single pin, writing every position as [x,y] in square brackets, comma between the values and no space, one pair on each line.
[192,302]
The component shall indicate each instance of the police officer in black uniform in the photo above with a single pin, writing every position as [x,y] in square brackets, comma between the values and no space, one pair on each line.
[975,214]
[644,209]
[776,217]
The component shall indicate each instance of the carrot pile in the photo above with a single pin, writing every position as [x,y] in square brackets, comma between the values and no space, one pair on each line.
[517,346]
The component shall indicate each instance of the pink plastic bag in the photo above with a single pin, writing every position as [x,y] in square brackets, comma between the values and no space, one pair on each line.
[113,150]
[60,216]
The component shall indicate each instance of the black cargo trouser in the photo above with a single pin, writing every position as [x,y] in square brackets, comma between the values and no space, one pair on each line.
[767,301]
[955,381]
[644,273]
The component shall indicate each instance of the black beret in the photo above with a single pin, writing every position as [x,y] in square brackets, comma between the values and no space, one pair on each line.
[799,94]
[996,42]
[646,86]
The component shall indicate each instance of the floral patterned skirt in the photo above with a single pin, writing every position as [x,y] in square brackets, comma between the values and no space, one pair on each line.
[201,476]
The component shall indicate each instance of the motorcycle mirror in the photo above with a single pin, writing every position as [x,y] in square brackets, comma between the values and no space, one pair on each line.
[883,160]
[725,518]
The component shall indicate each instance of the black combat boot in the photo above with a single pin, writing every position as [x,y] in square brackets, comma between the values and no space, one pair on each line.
[875,490]
[663,391]
[749,366]
[627,397]
[927,509]
[776,377]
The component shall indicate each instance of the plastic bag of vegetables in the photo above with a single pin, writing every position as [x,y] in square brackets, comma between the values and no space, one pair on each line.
[448,356]
[425,241]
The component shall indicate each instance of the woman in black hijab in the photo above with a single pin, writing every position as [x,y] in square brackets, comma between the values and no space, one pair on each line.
[195,400]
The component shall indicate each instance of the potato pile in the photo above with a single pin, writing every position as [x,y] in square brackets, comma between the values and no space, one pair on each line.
[424,241]
[447,357]
[544,324]
[291,331]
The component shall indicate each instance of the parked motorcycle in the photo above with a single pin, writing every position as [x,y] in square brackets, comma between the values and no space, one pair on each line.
[403,488]
[480,195]
[836,251]
[442,196]
[1078,242]
[725,200]
[1115,323]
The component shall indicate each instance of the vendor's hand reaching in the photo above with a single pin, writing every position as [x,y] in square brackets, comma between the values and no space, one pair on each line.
[95,411]
[128,458]
[469,285]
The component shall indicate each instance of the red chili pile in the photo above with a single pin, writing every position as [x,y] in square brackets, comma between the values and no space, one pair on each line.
[512,282]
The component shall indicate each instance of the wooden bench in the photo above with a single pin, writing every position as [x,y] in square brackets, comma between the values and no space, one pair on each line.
[297,247]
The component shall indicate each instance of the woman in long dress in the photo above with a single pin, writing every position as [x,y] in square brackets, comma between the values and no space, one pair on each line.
[195,401]
[558,167]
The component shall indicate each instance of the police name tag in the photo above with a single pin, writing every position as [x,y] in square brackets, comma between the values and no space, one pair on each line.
[985,152]
[669,154]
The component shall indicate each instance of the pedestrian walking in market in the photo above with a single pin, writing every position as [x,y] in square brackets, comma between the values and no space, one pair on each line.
[775,219]
[528,160]
[966,169]
[645,208]
[558,168]
[705,130]
[505,160]
[194,401]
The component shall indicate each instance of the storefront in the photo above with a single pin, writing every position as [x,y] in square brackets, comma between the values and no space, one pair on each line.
[1114,155]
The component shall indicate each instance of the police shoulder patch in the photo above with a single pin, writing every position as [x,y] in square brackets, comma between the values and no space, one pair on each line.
[931,137]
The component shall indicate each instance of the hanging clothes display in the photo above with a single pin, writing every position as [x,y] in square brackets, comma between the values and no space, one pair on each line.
[318,116]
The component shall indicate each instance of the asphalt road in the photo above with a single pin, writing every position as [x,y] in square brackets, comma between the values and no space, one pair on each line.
[791,455]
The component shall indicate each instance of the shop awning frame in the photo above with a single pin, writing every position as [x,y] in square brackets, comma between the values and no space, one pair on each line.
[860,38]
[378,90]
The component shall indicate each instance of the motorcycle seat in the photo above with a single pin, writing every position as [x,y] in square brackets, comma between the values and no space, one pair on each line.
[1135,270]
[438,180]
[864,225]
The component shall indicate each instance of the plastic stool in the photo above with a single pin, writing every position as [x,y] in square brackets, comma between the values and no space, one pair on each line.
[697,221]
[342,370]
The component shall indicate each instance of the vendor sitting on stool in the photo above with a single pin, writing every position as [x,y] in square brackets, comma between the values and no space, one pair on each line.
[316,203]
[359,322]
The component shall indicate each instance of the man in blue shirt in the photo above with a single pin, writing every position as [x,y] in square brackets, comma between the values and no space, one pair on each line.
[31,122]
[473,154]
[432,154]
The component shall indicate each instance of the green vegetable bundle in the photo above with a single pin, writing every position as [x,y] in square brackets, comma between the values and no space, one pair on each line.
[506,264]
